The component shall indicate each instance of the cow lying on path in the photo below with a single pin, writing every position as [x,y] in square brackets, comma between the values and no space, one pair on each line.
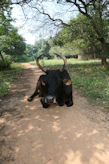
[54,86]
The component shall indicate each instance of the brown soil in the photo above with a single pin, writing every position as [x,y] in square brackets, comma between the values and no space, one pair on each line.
[30,134]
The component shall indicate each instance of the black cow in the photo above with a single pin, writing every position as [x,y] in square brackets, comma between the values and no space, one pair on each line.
[54,86]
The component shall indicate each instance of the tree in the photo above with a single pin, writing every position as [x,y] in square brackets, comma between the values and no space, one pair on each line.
[11,43]
[97,11]
[16,45]
[42,47]
[30,50]
[5,20]
[77,38]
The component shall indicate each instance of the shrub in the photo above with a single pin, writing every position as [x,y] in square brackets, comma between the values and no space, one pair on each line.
[6,63]
[24,58]
[8,76]
[4,86]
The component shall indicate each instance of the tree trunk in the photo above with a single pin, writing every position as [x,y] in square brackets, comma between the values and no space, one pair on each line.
[2,57]
[104,47]
[103,61]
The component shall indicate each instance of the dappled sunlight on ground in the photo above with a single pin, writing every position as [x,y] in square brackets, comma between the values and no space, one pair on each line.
[57,135]
[73,157]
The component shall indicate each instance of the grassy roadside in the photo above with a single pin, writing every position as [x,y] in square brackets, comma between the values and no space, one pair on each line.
[7,77]
[89,77]
[58,62]
[93,82]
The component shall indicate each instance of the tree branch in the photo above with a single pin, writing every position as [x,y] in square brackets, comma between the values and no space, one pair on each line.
[48,15]
[20,2]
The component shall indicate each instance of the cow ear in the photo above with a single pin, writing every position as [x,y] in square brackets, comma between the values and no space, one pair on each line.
[67,82]
[43,83]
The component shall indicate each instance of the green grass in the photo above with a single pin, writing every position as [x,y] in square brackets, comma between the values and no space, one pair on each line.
[58,62]
[89,77]
[7,77]
[93,82]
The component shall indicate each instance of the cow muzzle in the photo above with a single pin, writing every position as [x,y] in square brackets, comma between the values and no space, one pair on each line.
[50,99]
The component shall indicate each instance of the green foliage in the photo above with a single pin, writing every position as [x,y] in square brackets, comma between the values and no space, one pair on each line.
[4,86]
[30,50]
[92,80]
[7,77]
[57,63]
[80,38]
[24,58]
[66,50]
[105,53]
[11,43]
[17,43]
[41,47]
[7,63]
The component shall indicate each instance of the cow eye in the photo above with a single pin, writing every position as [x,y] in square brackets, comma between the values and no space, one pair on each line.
[67,82]
[43,83]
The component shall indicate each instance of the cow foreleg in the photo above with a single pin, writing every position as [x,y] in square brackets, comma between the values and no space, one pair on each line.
[44,104]
[35,93]
[60,100]
[68,93]
[69,100]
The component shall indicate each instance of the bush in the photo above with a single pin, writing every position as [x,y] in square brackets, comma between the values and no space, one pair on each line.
[6,63]
[8,76]
[4,86]
[66,50]
[24,58]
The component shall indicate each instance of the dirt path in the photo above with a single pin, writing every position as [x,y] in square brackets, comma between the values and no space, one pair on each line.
[30,134]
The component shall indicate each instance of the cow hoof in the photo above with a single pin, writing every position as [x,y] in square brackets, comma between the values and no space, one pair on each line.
[69,104]
[45,105]
[29,99]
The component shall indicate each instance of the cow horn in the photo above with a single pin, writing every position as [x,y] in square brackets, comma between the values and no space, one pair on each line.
[37,62]
[64,58]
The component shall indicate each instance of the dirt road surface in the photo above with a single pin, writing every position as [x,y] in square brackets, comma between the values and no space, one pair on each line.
[30,134]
